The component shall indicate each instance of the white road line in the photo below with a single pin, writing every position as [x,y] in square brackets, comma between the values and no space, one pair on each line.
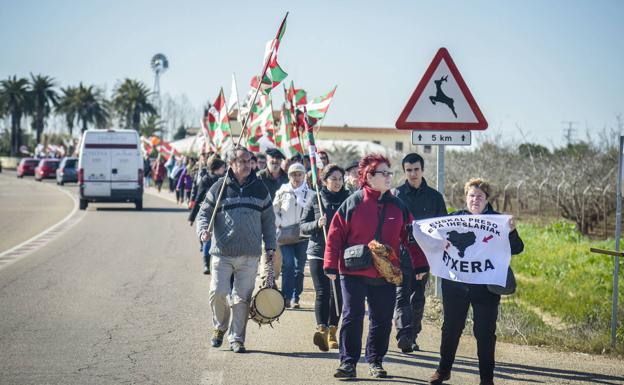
[25,248]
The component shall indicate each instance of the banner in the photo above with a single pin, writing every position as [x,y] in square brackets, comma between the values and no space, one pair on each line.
[466,248]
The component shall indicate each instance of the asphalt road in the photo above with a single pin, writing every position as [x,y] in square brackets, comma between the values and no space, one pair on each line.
[119,298]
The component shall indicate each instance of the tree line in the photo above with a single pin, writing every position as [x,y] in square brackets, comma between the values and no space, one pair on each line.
[83,106]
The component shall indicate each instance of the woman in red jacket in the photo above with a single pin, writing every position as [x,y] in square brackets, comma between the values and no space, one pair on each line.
[357,223]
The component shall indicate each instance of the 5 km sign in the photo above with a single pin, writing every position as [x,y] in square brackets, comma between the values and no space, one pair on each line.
[457,138]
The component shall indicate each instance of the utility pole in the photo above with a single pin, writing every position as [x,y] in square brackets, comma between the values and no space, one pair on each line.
[568,133]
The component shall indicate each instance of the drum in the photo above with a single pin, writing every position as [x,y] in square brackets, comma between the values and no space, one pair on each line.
[266,306]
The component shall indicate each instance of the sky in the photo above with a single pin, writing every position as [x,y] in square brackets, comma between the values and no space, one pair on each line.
[530,65]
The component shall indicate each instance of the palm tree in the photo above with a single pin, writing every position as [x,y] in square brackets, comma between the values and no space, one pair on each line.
[42,96]
[91,107]
[14,93]
[151,125]
[131,101]
[67,106]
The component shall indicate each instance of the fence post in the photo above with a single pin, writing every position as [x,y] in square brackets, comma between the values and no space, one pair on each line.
[505,197]
[518,196]
[539,196]
[604,208]
[583,210]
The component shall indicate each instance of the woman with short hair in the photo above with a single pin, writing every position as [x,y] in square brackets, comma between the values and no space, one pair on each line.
[457,297]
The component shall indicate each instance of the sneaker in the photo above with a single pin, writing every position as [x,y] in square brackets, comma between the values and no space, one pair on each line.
[287,303]
[376,370]
[345,370]
[320,338]
[438,378]
[217,338]
[405,345]
[296,304]
[237,347]
[206,270]
[415,347]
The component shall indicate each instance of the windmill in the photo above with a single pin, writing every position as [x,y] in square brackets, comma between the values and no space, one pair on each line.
[159,64]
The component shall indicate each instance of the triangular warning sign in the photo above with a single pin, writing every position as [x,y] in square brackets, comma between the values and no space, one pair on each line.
[442,100]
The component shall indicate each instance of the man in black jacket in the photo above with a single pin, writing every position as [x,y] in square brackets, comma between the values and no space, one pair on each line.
[273,176]
[423,202]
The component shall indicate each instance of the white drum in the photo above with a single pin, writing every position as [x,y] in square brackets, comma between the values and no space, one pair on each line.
[266,306]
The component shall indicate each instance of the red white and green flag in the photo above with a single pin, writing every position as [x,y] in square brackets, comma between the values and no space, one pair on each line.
[261,125]
[219,129]
[317,108]
[273,74]
[287,138]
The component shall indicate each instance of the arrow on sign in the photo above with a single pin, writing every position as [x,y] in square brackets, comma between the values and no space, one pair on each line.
[486,239]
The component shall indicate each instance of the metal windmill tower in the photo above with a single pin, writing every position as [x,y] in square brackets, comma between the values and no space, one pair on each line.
[159,64]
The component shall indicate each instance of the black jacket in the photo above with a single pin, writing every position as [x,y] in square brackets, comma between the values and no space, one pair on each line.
[423,202]
[196,182]
[273,184]
[309,219]
[202,188]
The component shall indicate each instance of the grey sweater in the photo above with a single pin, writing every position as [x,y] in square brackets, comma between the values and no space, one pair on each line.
[244,219]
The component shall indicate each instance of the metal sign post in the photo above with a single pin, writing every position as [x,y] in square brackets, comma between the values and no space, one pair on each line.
[440,187]
[618,233]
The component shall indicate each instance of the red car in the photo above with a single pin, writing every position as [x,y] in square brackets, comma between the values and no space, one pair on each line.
[46,169]
[27,167]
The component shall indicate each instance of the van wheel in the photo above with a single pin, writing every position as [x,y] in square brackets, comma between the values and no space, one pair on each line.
[83,204]
[139,204]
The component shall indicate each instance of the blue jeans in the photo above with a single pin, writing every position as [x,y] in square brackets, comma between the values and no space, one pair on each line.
[293,262]
[205,249]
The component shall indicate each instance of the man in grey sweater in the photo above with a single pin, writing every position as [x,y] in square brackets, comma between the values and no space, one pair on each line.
[244,219]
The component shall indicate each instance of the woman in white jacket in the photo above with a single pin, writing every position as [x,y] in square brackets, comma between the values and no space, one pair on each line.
[289,203]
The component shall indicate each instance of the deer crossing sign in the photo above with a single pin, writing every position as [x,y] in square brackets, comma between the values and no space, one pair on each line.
[441,101]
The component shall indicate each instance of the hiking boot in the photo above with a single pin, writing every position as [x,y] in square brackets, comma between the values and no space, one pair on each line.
[332,342]
[237,347]
[217,338]
[296,304]
[376,370]
[438,378]
[345,370]
[405,345]
[320,338]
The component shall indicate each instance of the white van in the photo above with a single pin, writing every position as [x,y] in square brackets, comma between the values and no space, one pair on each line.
[110,168]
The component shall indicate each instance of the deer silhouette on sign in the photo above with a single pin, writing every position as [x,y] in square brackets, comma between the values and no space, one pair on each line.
[441,96]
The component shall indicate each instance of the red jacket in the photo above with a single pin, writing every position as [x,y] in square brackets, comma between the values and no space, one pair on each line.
[159,171]
[356,223]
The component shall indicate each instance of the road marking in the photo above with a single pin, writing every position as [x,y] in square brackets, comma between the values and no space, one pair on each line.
[27,247]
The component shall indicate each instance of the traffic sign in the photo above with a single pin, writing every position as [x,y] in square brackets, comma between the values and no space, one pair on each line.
[442,100]
[457,138]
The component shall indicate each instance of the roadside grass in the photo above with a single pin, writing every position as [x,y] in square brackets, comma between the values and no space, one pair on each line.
[563,299]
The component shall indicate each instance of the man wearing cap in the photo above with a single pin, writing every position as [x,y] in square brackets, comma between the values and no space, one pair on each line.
[351,177]
[273,177]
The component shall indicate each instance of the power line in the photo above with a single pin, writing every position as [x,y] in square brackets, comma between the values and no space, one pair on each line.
[568,132]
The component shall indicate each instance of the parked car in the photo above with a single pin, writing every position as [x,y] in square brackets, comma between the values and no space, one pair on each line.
[110,168]
[46,169]
[27,166]
[67,171]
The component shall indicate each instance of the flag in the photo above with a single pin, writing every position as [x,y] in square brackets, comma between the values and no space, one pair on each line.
[166,150]
[261,127]
[147,145]
[318,107]
[286,138]
[297,96]
[233,104]
[311,148]
[272,73]
[219,123]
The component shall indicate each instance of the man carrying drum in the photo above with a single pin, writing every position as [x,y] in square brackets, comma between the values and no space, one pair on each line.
[244,219]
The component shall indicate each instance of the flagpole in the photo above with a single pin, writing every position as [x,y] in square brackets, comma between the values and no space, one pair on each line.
[243,128]
[312,152]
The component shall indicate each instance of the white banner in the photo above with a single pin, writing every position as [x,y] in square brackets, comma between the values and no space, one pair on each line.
[466,248]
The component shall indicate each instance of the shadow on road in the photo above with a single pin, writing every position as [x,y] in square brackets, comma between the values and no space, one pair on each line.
[505,370]
[145,209]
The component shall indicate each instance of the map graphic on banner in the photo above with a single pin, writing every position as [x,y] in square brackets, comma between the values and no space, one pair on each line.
[466,248]
[442,100]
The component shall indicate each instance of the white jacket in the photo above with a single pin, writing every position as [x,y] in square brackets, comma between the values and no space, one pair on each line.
[289,204]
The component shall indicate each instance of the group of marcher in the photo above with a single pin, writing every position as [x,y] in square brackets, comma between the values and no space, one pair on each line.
[269,218]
